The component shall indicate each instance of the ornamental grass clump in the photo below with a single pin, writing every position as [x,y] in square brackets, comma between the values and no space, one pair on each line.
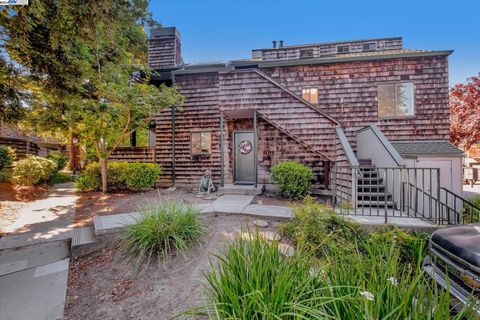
[164,228]
[250,279]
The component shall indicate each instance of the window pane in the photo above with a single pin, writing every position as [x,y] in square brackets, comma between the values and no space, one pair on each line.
[314,95]
[306,94]
[311,95]
[201,142]
[386,100]
[404,99]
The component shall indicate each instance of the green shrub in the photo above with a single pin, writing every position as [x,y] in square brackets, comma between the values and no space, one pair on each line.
[413,246]
[59,177]
[293,179]
[470,213]
[162,229]
[33,170]
[7,156]
[317,229]
[141,176]
[120,176]
[59,159]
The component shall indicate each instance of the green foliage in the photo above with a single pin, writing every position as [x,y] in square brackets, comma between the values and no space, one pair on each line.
[82,70]
[89,179]
[316,228]
[141,176]
[163,228]
[59,177]
[33,170]
[250,279]
[121,176]
[412,246]
[294,179]
[59,159]
[7,156]
[470,213]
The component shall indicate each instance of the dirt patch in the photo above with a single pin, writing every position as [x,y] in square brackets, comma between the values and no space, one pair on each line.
[11,192]
[102,286]
[93,204]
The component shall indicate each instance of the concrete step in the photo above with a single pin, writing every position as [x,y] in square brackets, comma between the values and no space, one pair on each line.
[113,223]
[246,190]
[83,241]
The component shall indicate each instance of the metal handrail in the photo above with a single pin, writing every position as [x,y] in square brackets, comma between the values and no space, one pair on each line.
[463,202]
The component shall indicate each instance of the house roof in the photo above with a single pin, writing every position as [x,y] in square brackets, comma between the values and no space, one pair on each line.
[329,43]
[357,56]
[424,148]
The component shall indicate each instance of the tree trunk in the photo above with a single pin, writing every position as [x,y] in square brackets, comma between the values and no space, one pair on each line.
[74,153]
[103,170]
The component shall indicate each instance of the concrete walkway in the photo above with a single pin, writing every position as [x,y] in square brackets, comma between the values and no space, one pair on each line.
[34,258]
[240,204]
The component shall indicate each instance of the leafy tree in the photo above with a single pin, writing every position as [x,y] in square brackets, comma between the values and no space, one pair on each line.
[465,113]
[14,94]
[82,56]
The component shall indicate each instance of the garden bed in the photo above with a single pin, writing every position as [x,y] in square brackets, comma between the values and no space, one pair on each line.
[102,286]
[91,204]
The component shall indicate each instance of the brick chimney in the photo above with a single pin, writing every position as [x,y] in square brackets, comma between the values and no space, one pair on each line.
[164,48]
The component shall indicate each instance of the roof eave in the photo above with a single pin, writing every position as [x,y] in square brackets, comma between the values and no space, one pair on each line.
[329,60]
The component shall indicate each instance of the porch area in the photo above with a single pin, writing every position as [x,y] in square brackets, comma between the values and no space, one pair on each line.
[250,144]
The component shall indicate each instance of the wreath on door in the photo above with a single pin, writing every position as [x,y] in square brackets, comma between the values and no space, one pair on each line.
[245,147]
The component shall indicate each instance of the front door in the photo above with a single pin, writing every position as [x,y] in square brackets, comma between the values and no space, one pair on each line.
[244,157]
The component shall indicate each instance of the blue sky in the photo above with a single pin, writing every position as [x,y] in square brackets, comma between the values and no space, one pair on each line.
[224,30]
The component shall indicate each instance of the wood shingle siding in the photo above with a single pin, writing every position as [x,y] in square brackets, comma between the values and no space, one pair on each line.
[200,112]
[324,49]
[133,154]
[251,90]
[356,83]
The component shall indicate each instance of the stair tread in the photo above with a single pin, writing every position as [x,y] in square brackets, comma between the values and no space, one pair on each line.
[83,235]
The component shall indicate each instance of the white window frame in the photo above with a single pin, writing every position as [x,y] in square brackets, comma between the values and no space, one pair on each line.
[395,86]
[308,90]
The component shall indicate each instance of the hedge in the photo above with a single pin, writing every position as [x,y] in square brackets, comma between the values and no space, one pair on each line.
[120,176]
[293,179]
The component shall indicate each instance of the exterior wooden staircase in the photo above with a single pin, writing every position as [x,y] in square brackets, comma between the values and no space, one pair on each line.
[371,189]
[284,109]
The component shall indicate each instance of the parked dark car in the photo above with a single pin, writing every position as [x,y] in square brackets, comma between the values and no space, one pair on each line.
[454,254]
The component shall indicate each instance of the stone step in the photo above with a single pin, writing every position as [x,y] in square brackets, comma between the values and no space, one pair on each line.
[247,190]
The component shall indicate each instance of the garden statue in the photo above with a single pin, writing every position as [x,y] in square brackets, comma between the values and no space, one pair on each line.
[206,183]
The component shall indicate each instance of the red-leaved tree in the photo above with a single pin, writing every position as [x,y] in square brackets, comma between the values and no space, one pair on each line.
[465,113]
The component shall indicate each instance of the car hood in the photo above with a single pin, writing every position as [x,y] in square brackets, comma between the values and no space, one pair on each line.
[462,242]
